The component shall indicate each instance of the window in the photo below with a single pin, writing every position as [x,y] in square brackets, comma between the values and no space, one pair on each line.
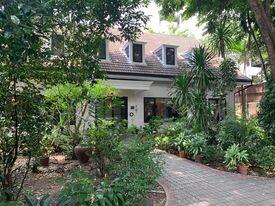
[137,53]
[157,107]
[167,55]
[57,44]
[102,54]
[170,56]
[119,110]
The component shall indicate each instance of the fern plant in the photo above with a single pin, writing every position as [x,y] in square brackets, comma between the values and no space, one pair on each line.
[234,156]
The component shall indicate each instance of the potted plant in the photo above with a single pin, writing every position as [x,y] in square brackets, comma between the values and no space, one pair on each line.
[46,149]
[196,145]
[236,159]
[82,153]
[180,143]
[243,164]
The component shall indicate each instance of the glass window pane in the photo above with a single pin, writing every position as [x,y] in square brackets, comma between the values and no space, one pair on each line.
[157,107]
[137,53]
[170,56]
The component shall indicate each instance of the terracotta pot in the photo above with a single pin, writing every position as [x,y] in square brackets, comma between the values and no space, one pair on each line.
[243,169]
[81,154]
[198,158]
[182,154]
[44,161]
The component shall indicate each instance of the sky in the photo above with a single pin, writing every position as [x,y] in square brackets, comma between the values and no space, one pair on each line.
[163,26]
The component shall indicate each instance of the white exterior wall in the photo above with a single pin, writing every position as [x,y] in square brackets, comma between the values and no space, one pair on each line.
[136,100]
[138,88]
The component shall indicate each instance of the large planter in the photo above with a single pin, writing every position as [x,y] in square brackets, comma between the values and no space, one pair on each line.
[182,154]
[44,161]
[198,158]
[81,153]
[243,169]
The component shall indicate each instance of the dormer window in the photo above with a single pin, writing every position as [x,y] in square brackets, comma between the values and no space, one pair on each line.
[103,52]
[167,55]
[135,52]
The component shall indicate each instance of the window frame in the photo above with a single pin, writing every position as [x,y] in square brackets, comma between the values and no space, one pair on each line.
[146,119]
[163,60]
[131,53]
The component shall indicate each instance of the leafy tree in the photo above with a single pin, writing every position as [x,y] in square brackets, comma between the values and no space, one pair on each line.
[246,13]
[28,65]
[267,110]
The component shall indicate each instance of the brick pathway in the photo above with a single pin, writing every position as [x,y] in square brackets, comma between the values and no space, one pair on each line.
[198,185]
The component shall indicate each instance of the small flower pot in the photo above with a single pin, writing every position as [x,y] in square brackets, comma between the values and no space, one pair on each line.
[198,158]
[182,154]
[243,169]
[44,161]
[81,154]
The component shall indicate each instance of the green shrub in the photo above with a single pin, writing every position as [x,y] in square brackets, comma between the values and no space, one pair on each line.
[213,154]
[234,156]
[265,158]
[104,138]
[137,169]
[165,142]
[267,110]
[196,144]
[231,131]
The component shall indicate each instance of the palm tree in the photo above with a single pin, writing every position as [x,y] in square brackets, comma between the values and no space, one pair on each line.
[189,89]
[221,36]
[200,65]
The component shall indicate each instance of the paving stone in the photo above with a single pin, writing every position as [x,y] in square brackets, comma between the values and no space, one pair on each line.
[198,185]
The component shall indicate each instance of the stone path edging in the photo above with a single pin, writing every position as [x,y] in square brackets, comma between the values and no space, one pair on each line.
[171,199]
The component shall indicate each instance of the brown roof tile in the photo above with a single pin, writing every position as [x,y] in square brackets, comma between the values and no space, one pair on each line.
[119,63]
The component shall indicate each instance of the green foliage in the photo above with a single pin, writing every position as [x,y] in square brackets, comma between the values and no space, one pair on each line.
[137,168]
[165,142]
[28,66]
[103,138]
[44,201]
[189,90]
[64,99]
[182,139]
[221,36]
[80,190]
[213,154]
[234,156]
[267,110]
[231,131]
[265,158]
[78,187]
[228,78]
[196,144]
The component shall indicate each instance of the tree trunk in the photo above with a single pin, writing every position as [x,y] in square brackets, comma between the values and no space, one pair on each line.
[267,30]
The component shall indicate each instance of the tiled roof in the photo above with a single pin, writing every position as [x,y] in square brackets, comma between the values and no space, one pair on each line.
[119,62]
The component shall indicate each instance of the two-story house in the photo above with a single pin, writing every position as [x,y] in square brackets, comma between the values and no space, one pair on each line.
[143,71]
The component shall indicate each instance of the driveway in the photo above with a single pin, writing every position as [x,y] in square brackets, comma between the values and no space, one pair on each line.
[194,184]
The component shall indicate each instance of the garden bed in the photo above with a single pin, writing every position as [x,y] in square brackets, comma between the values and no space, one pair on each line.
[48,180]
